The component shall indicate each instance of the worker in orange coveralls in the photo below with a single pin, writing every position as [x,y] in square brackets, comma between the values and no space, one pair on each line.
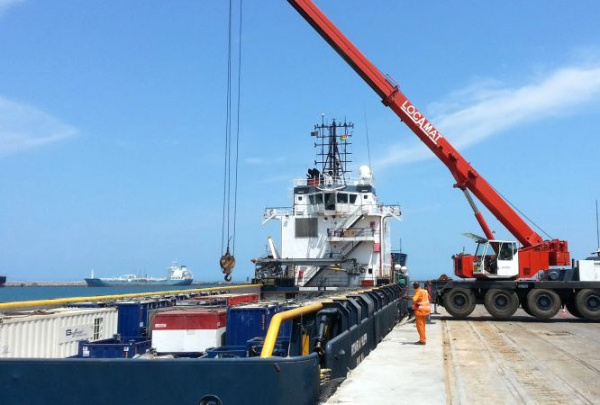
[422,310]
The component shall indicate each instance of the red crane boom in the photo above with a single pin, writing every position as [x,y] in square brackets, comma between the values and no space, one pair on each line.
[550,253]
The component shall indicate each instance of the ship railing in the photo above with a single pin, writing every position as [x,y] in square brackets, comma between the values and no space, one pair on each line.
[341,209]
[367,209]
[351,233]
[332,183]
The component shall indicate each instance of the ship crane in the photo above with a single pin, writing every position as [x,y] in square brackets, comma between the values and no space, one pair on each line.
[494,260]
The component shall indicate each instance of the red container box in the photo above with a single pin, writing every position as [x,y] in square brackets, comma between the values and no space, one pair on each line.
[188,331]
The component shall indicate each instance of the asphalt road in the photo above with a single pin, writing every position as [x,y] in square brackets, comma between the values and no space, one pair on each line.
[521,360]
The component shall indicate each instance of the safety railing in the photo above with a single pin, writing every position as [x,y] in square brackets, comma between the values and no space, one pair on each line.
[323,181]
[275,324]
[345,233]
[71,300]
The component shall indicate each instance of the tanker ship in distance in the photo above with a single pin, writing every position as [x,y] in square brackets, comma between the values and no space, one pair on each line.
[176,276]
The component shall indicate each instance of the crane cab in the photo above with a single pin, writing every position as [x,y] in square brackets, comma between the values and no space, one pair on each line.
[492,259]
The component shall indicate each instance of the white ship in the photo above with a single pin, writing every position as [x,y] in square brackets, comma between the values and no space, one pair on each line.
[337,233]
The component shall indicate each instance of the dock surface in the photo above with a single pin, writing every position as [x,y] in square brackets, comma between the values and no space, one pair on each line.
[481,360]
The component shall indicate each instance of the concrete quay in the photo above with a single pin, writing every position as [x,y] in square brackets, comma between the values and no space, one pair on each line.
[398,370]
[481,360]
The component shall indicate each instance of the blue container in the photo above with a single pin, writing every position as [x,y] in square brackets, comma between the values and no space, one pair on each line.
[132,320]
[245,323]
[226,352]
[285,330]
[113,348]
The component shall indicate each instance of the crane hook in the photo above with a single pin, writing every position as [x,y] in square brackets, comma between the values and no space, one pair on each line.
[227,263]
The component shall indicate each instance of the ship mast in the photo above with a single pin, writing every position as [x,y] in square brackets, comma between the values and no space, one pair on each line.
[332,152]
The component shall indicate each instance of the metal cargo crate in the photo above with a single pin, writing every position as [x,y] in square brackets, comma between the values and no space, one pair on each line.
[54,333]
[247,322]
[188,331]
[113,348]
[133,318]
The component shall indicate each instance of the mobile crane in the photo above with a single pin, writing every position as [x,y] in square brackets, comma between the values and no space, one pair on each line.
[501,274]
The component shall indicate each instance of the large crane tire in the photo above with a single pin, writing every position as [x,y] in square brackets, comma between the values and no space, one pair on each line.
[587,302]
[542,303]
[501,304]
[459,302]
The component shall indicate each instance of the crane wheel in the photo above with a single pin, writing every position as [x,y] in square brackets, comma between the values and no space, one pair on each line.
[542,303]
[572,308]
[587,303]
[501,304]
[459,302]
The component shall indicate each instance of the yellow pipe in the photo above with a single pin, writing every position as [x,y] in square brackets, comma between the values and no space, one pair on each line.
[62,301]
[269,345]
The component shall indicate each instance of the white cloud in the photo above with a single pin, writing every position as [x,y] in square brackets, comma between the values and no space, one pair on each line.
[255,161]
[488,108]
[23,127]
[264,161]
[7,4]
[275,179]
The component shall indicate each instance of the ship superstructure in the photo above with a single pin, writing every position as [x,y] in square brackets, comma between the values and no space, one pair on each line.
[337,233]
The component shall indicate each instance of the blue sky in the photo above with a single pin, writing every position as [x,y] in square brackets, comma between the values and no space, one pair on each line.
[112,118]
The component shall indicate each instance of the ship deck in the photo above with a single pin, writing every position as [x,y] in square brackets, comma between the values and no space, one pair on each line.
[481,360]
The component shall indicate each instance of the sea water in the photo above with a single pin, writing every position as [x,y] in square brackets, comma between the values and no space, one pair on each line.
[18,293]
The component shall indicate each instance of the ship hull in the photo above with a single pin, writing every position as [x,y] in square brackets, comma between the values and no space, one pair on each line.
[98,282]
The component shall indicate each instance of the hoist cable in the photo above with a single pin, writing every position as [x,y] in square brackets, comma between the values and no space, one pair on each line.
[523,214]
[229,229]
[237,135]
[227,156]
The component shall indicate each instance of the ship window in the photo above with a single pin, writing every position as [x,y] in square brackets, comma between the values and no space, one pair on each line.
[319,198]
[306,228]
[366,196]
[352,198]
[330,201]
[299,198]
[311,198]
[342,198]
